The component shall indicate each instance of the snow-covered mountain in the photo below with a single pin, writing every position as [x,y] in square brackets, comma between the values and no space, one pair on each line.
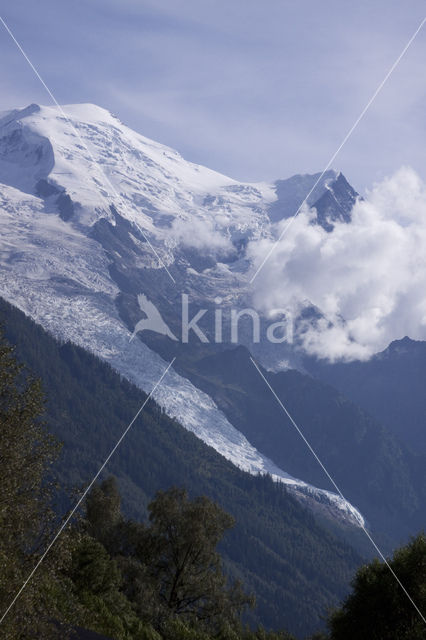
[92,214]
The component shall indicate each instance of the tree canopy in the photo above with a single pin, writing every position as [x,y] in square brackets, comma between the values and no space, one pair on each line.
[26,518]
[378,608]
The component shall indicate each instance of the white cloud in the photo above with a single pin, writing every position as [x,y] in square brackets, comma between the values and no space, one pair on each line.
[200,233]
[370,273]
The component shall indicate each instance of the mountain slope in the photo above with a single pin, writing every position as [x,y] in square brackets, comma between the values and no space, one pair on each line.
[390,386]
[92,212]
[296,567]
[375,470]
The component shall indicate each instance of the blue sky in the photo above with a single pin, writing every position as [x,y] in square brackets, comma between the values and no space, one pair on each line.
[256,90]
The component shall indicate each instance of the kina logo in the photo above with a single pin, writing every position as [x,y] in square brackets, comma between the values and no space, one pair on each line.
[153,320]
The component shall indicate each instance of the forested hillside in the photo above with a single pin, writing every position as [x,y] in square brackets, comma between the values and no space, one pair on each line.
[295,567]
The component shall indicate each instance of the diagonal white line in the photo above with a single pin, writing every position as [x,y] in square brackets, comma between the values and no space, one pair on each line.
[299,431]
[86,491]
[106,179]
[340,147]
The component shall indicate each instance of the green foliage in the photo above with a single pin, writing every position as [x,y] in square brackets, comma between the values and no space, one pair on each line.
[26,453]
[103,509]
[96,584]
[171,569]
[184,535]
[26,450]
[378,607]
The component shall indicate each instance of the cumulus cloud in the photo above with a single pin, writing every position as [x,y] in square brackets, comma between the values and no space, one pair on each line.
[367,278]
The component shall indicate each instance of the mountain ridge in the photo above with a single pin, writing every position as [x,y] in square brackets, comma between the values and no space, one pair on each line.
[389,386]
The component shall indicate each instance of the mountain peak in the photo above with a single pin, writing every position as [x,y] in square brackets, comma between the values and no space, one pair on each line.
[402,346]
[329,193]
[28,111]
[18,114]
[84,112]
